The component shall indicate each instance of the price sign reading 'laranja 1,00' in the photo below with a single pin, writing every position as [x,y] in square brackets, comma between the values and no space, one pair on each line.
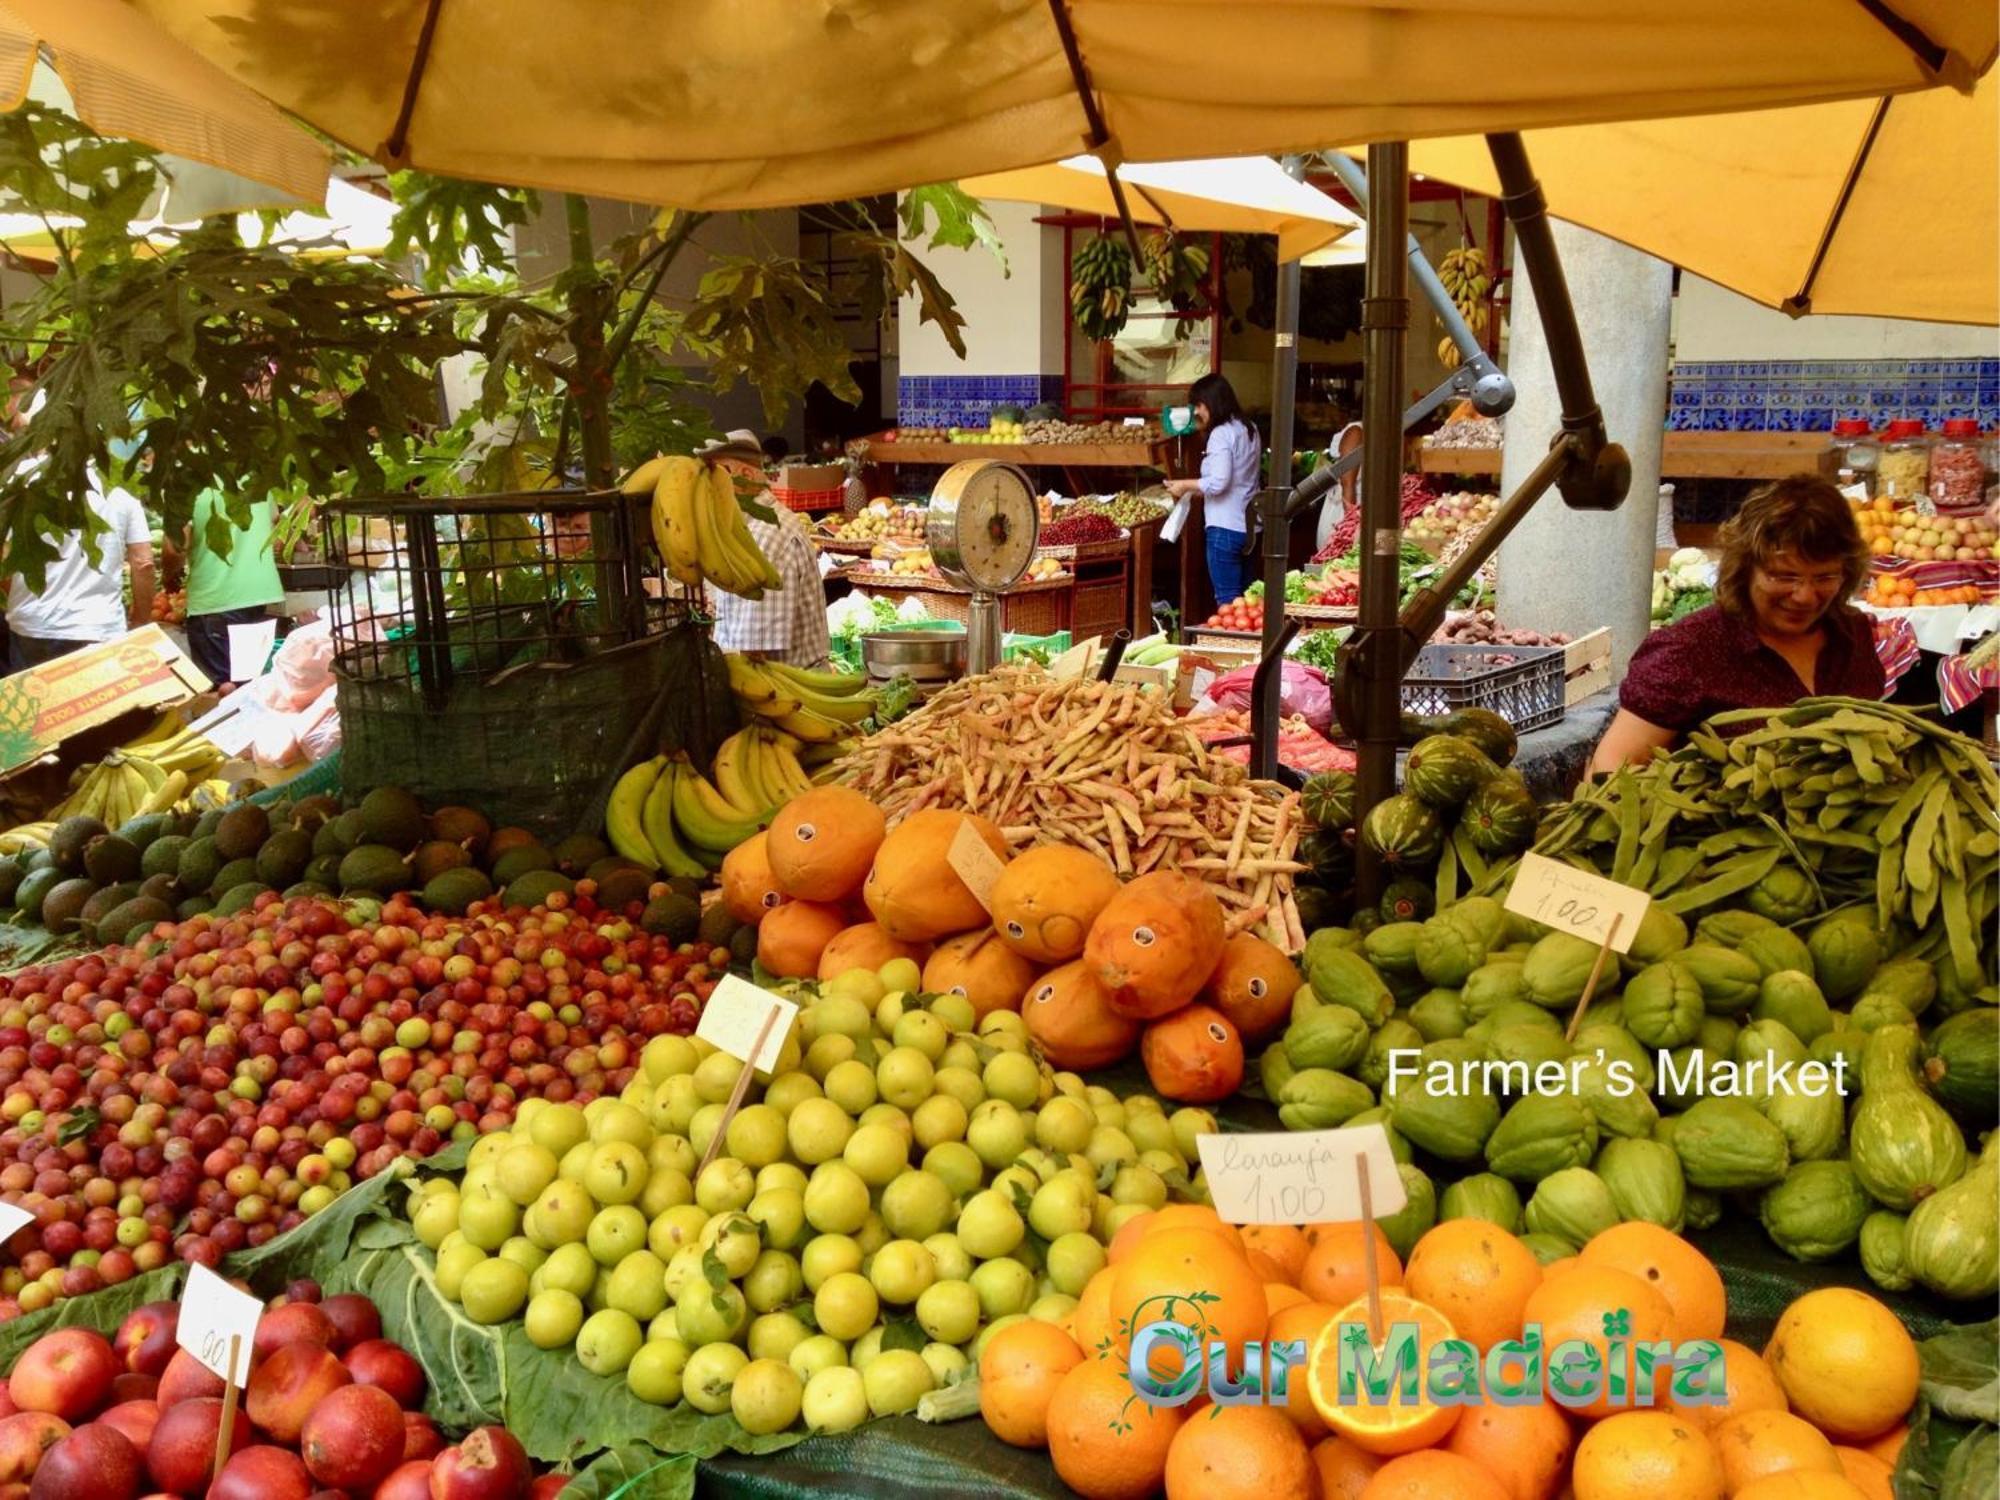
[1577,902]
[1301,1177]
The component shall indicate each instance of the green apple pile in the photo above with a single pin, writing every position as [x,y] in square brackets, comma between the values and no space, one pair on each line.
[904,1182]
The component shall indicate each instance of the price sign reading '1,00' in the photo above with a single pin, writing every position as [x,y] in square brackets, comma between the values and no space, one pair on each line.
[1579,903]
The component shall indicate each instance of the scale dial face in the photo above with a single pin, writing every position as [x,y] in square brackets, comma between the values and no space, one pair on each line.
[983,524]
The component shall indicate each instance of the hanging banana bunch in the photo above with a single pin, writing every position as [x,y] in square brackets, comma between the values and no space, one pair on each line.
[1179,274]
[1464,275]
[1100,287]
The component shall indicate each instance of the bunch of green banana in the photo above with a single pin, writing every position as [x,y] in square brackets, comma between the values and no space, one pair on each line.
[817,708]
[120,787]
[1179,274]
[26,836]
[700,528]
[664,814]
[1100,287]
[1463,273]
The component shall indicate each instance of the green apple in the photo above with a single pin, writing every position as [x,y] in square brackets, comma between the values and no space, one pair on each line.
[654,1375]
[715,1077]
[1189,1126]
[493,1291]
[1150,1130]
[675,1104]
[672,1153]
[789,1090]
[664,1190]
[523,1170]
[844,1014]
[956,1165]
[1064,1125]
[487,1217]
[953,1263]
[607,1341]
[773,1281]
[828,1255]
[553,1318]
[781,1214]
[989,1226]
[873,1233]
[820,1352]
[949,1311]
[835,1400]
[947,1362]
[889,1010]
[1053,1308]
[524,1253]
[996,1133]
[616,1172]
[707,1314]
[724,1186]
[900,974]
[851,1085]
[905,1077]
[955,1014]
[570,1268]
[962,1056]
[638,1285]
[710,1375]
[817,1130]
[923,1031]
[826,1053]
[766,1396]
[996,1024]
[560,1216]
[615,1232]
[685,1266]
[1110,1147]
[455,1258]
[1061,1206]
[917,1205]
[896,1379]
[845,1305]
[836,1199]
[1116,1218]
[774,1335]
[678,1226]
[1072,1260]
[779,1175]
[877,1153]
[866,1347]
[1014,1077]
[900,1271]
[489,1149]
[1004,1287]
[434,1218]
[666,1056]
[938,1119]
[756,1136]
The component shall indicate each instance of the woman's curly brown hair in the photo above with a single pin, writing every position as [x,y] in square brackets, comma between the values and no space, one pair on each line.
[1803,515]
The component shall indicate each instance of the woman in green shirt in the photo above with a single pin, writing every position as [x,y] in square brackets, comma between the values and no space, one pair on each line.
[235,590]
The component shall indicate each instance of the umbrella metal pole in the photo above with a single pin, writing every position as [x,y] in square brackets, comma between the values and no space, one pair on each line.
[1274,516]
[1376,645]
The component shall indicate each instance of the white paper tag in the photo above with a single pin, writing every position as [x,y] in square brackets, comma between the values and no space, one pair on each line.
[972,859]
[13,1219]
[1583,905]
[735,1014]
[212,1313]
[1199,684]
[1301,1177]
[250,649]
[232,735]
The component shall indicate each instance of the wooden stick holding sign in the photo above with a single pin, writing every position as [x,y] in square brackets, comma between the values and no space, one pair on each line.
[225,1432]
[1583,905]
[1371,1266]
[218,1326]
[750,1025]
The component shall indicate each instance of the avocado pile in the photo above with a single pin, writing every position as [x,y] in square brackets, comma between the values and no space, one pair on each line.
[112,885]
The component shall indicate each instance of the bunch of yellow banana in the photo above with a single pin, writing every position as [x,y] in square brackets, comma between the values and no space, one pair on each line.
[120,787]
[1463,274]
[815,708]
[664,814]
[26,836]
[699,527]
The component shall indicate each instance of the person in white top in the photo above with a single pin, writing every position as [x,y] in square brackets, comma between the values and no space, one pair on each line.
[1231,456]
[1347,494]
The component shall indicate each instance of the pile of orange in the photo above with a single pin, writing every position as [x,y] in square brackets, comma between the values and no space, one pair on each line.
[1818,1415]
[1890,591]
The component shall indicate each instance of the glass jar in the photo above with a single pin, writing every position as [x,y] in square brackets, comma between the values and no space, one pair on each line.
[1958,470]
[1855,455]
[1904,470]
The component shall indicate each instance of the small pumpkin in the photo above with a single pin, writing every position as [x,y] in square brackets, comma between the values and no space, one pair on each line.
[866,946]
[1156,943]
[1253,985]
[913,891]
[822,842]
[979,966]
[749,889]
[1071,1021]
[1046,899]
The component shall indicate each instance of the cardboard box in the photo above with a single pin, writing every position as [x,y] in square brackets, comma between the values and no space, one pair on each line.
[45,705]
[812,478]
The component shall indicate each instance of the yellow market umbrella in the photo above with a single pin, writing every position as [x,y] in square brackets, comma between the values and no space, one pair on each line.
[1888,207]
[759,103]
[353,223]
[123,76]
[1248,194]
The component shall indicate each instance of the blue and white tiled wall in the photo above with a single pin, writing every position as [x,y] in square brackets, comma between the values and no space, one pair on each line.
[1811,395]
[965,400]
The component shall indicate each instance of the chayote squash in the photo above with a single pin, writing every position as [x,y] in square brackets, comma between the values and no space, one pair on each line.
[1726,1144]
[1273,1069]
[1841,1045]
[1482,919]
[1645,1181]
[1548,1248]
[1531,1047]
[1392,948]
[1663,1005]
[1704,1209]
[1954,994]
[1379,1115]
[1556,970]
[1492,984]
[1790,997]
[1540,1135]
[1413,1220]
[1619,1045]
[1817,1211]
[1728,979]
[1340,976]
[1690,1069]
[1404,988]
[1776,948]
[1331,1037]
[1767,1050]
[1321,1099]
[1661,933]
[1438,1015]
[1337,937]
[1445,954]
[1903,1144]
[1952,1240]
[1621,1105]
[1962,1064]
[1785,895]
[1729,928]
[1845,949]
[1450,1114]
[1484,1195]
[1882,1251]
[1873,1012]
[1602,1012]
[1515,1013]
[1909,982]
[1395,1035]
[1573,1204]
[1814,1124]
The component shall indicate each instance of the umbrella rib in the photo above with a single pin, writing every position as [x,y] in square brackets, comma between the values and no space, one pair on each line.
[1927,52]
[1099,135]
[395,150]
[1800,302]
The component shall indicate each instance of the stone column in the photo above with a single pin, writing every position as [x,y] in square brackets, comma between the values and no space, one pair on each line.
[1574,570]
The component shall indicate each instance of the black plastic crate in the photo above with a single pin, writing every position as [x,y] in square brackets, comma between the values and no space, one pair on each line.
[1522,684]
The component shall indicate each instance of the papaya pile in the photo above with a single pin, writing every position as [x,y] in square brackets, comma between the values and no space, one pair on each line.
[1098,968]
[1654,1112]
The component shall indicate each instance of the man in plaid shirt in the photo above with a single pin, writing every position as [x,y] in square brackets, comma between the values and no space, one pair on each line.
[789,623]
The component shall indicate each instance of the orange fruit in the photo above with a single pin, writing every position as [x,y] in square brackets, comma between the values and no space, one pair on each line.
[1397,1425]
[1090,1320]
[1476,1274]
[1301,1321]
[1344,1470]
[1336,1268]
[1239,1453]
[1284,1243]
[1797,1484]
[1196,1216]
[1526,1448]
[1162,1277]
[1847,1365]
[1889,1446]
[1128,1236]
[1748,1385]
[1754,1444]
[1278,1296]
[1105,1442]
[1194,1056]
[1574,1308]
[1435,1475]
[1672,1267]
[1266,1268]
[1557,1267]
[1018,1373]
[1637,1455]
[1866,1472]
[792,936]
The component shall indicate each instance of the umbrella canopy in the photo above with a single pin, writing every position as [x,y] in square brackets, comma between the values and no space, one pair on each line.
[355,222]
[1248,194]
[762,103]
[1889,207]
[123,76]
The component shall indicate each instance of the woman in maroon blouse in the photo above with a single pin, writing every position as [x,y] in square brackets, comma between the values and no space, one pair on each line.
[1780,628]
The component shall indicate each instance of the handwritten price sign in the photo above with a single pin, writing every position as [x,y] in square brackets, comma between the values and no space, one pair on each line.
[216,1318]
[1303,1177]
[1579,903]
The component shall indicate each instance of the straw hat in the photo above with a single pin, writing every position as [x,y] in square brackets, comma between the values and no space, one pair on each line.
[740,443]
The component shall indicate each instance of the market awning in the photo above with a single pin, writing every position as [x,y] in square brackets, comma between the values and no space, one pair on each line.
[123,76]
[353,223]
[761,103]
[1888,207]
[1248,194]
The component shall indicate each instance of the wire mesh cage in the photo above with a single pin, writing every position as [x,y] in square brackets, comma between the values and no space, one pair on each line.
[500,650]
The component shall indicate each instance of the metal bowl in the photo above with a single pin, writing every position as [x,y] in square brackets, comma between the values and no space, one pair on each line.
[931,659]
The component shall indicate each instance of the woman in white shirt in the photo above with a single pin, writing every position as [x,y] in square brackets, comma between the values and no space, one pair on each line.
[1230,457]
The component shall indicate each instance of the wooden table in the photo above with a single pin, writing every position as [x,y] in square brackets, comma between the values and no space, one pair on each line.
[1684,455]
[1069,457]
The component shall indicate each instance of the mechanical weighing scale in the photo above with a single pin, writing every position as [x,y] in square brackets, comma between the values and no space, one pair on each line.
[981,528]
